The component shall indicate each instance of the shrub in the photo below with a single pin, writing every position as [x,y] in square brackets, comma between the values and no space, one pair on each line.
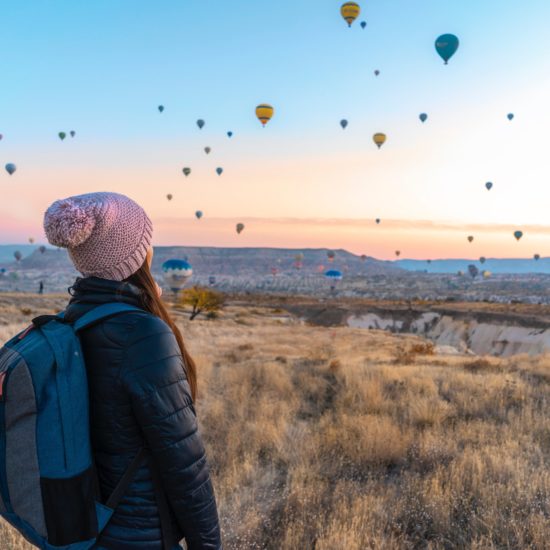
[201,299]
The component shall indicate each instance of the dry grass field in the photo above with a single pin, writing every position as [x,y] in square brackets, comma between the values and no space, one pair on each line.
[339,438]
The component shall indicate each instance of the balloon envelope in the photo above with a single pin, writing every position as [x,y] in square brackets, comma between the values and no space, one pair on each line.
[239,227]
[510,116]
[379,139]
[200,123]
[423,117]
[176,273]
[229,134]
[73,133]
[17,255]
[377,72]
[264,112]
[207,150]
[537,257]
[344,123]
[473,271]
[518,235]
[161,108]
[10,168]
[482,260]
[169,196]
[42,249]
[470,238]
[378,220]
[398,253]
[219,171]
[198,214]
[333,274]
[350,12]
[446,46]
[62,135]
[489,185]
[363,24]
[186,171]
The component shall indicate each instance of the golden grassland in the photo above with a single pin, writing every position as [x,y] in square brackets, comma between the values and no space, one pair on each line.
[346,438]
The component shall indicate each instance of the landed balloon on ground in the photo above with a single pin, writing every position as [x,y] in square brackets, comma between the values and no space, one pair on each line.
[264,112]
[176,273]
[11,168]
[446,46]
[200,123]
[186,171]
[333,276]
[423,117]
[379,139]
[239,227]
[350,12]
[518,235]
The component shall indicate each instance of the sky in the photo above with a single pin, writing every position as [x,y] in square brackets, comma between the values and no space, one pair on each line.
[102,68]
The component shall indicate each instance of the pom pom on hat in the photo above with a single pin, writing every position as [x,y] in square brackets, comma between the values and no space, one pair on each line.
[69,222]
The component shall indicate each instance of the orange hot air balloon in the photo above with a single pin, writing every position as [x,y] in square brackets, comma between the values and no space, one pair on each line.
[350,12]
[379,139]
[264,112]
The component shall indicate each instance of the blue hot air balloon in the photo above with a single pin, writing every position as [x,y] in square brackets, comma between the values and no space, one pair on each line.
[176,273]
[446,46]
[423,117]
[10,168]
[489,185]
[219,171]
[344,123]
[333,276]
[200,123]
[229,134]
[198,214]
[518,235]
[510,116]
[363,24]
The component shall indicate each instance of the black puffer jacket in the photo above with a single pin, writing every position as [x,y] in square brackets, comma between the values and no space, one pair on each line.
[140,397]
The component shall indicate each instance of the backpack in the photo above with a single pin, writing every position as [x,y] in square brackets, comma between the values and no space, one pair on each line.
[48,482]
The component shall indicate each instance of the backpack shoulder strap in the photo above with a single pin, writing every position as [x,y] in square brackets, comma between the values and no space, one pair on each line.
[102,312]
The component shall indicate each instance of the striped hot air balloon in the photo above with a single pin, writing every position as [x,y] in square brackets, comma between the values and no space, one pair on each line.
[264,112]
[350,12]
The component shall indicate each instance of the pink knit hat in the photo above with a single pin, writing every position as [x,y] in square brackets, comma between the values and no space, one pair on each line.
[107,234]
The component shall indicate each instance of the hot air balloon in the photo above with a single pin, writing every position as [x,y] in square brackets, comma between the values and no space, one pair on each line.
[176,273]
[186,171]
[1,137]
[537,257]
[17,255]
[398,253]
[11,168]
[229,134]
[378,220]
[363,24]
[379,139]
[376,72]
[423,117]
[473,271]
[211,280]
[62,135]
[482,260]
[331,255]
[200,123]
[485,274]
[333,276]
[198,214]
[169,196]
[489,185]
[31,240]
[363,257]
[42,249]
[219,171]
[73,133]
[510,116]
[446,46]
[207,150]
[470,238]
[428,261]
[344,123]
[239,227]
[350,12]
[518,235]
[161,108]
[264,112]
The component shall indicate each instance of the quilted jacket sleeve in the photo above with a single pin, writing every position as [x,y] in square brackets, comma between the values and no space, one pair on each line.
[153,375]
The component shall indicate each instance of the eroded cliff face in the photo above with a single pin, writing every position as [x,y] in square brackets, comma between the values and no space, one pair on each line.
[460,332]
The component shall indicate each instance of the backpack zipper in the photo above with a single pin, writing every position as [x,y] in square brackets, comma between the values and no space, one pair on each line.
[3,478]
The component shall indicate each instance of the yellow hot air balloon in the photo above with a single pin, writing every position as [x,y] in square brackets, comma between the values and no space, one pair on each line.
[379,139]
[264,112]
[350,12]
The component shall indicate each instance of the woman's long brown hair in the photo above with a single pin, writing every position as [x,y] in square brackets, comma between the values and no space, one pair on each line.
[151,302]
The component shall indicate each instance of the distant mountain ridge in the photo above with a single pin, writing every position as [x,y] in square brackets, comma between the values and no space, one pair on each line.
[494,265]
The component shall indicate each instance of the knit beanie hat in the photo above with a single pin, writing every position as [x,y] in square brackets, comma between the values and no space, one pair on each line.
[107,234]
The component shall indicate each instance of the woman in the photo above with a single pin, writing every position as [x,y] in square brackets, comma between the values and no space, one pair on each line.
[142,381]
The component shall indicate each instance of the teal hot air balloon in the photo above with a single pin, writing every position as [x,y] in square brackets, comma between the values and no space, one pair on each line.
[423,117]
[200,123]
[62,135]
[510,116]
[518,235]
[230,134]
[11,168]
[344,123]
[176,273]
[446,46]
[161,108]
[489,185]
[363,24]
[219,171]
[198,214]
